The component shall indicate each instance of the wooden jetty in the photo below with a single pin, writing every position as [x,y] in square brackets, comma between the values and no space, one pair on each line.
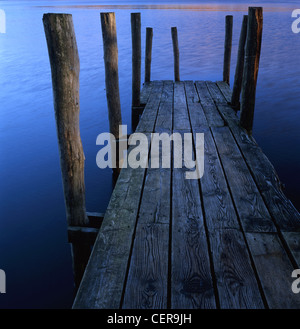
[230,239]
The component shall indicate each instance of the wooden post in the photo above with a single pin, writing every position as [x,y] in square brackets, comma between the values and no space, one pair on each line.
[238,77]
[136,58]
[176,53]
[251,65]
[65,68]
[110,49]
[227,48]
[148,54]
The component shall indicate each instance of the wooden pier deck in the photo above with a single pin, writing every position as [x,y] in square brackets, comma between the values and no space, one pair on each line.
[228,240]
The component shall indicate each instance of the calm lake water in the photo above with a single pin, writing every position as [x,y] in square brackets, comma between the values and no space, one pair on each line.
[34,251]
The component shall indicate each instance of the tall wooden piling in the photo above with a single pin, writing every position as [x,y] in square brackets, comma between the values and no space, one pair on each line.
[136,58]
[238,77]
[64,61]
[176,53]
[148,54]
[227,48]
[110,49]
[65,67]
[251,65]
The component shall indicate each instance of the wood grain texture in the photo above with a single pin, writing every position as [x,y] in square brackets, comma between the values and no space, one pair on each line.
[147,120]
[236,281]
[281,209]
[212,115]
[145,93]
[196,113]
[292,239]
[252,211]
[103,282]
[235,278]
[181,117]
[225,90]
[65,67]
[191,280]
[274,269]
[147,283]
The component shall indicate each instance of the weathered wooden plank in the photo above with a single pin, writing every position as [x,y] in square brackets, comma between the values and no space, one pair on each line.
[235,278]
[252,211]
[227,113]
[191,93]
[165,113]
[225,89]
[148,273]
[147,120]
[236,281]
[212,115]
[218,205]
[145,93]
[111,251]
[282,210]
[264,174]
[274,270]
[102,283]
[181,118]
[191,280]
[147,283]
[216,95]
[292,239]
[196,113]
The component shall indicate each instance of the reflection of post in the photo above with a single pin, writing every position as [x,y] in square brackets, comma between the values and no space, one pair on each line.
[252,55]
[227,48]
[110,48]
[2,282]
[176,53]
[2,21]
[65,68]
[238,77]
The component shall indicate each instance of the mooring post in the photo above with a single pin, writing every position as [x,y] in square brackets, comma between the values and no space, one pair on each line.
[65,67]
[110,49]
[238,77]
[136,58]
[148,54]
[176,53]
[136,68]
[64,61]
[227,47]
[251,65]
